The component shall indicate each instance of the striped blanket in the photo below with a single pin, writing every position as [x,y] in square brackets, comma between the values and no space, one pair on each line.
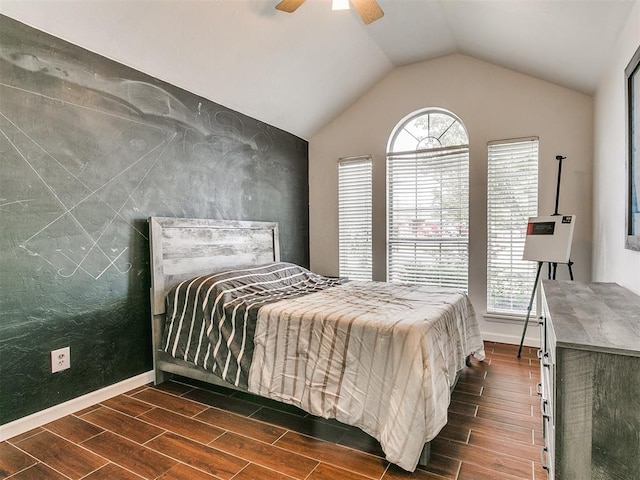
[375,355]
[211,319]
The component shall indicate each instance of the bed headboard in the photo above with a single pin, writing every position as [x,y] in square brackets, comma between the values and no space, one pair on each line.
[182,248]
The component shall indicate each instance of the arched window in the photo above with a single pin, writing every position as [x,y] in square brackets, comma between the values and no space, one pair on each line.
[428,200]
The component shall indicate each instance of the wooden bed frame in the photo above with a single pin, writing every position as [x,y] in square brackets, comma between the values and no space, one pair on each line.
[183,248]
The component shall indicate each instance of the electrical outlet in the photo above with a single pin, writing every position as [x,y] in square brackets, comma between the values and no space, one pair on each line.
[60,359]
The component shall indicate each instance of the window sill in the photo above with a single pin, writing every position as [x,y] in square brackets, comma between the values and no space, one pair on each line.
[506,318]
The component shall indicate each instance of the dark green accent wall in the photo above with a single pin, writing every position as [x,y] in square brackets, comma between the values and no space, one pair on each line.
[89,149]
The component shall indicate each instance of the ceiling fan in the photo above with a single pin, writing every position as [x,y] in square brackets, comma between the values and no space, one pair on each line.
[369,10]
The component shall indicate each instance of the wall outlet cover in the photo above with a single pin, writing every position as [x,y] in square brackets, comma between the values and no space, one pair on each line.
[60,359]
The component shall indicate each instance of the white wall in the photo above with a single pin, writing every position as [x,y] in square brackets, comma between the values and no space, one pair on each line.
[494,103]
[611,261]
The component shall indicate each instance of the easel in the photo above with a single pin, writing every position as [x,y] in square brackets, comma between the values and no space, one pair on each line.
[553,266]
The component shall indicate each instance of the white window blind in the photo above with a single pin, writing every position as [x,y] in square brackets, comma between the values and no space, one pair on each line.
[355,217]
[428,216]
[512,197]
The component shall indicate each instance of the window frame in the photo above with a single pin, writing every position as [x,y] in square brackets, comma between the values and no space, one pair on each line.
[460,279]
[362,215]
[530,190]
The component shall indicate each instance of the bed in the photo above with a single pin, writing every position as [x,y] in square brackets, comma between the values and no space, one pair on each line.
[383,357]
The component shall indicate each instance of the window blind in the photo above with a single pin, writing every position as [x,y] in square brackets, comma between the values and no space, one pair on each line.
[512,197]
[355,217]
[428,216]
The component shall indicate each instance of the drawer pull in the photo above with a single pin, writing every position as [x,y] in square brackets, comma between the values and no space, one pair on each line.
[544,457]
[543,407]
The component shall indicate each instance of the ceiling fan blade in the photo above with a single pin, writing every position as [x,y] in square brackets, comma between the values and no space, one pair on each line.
[289,6]
[369,10]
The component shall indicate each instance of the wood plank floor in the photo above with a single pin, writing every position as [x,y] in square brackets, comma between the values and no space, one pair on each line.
[179,431]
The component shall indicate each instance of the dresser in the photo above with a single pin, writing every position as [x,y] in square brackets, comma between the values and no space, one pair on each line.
[590,381]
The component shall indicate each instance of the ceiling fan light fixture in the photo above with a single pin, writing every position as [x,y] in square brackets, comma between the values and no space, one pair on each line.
[369,10]
[340,5]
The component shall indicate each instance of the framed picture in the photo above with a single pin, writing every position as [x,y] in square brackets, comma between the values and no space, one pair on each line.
[632,76]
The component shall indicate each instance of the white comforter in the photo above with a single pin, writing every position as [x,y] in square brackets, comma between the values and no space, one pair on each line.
[378,356]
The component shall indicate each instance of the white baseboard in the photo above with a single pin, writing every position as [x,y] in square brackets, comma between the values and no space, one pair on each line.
[24,424]
[511,339]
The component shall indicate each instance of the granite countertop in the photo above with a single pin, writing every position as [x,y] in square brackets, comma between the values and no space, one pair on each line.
[601,317]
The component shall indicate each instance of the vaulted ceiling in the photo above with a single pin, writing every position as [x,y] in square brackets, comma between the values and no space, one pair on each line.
[298,71]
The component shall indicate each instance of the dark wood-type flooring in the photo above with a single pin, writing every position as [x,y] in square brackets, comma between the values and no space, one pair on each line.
[178,431]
